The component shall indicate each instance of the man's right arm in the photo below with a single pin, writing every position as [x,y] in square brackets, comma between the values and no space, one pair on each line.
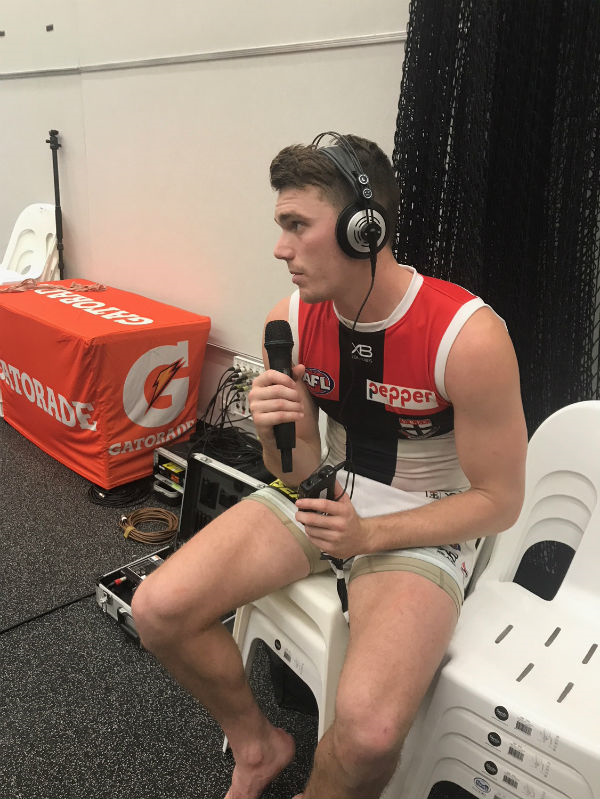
[276,398]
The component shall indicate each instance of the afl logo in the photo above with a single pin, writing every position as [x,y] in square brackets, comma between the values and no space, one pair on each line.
[319,382]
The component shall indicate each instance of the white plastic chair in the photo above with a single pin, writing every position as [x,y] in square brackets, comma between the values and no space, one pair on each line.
[32,248]
[302,624]
[516,708]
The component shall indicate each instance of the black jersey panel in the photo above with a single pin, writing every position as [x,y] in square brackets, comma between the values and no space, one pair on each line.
[371,447]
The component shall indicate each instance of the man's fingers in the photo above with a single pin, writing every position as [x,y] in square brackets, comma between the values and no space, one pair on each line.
[322,521]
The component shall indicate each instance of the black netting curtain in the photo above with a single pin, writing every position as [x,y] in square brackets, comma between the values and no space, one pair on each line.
[497,153]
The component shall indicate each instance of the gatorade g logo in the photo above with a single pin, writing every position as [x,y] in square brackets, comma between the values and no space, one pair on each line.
[319,382]
[153,395]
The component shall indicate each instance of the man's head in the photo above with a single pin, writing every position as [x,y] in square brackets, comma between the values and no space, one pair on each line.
[299,166]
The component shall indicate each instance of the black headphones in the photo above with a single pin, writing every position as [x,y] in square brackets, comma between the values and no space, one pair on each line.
[361,229]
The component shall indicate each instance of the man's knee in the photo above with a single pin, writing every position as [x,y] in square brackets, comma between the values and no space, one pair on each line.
[367,734]
[163,615]
[149,615]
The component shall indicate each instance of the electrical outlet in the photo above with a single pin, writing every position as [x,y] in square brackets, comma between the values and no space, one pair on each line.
[250,368]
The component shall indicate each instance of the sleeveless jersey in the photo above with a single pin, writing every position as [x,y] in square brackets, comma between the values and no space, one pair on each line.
[382,386]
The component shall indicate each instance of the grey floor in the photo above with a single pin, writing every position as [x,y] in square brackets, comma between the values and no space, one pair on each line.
[84,711]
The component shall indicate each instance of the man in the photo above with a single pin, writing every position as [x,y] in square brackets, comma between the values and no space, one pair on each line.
[421,385]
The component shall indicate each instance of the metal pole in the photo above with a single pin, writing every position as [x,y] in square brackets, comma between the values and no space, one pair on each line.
[54,145]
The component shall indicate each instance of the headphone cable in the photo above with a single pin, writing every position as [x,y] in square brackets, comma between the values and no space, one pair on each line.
[349,459]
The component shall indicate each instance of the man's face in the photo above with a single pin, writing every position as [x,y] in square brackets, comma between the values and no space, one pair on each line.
[307,243]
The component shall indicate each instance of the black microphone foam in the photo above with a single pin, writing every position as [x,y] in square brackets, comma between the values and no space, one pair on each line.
[279,344]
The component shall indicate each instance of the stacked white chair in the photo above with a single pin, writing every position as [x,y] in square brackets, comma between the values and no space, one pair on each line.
[32,248]
[302,624]
[515,711]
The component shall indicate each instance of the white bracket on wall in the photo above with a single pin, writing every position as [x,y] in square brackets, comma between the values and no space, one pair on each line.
[249,369]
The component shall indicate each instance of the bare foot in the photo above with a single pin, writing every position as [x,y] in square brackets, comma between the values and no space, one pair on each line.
[248,781]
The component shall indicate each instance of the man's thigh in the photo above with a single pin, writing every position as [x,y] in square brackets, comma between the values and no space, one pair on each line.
[400,627]
[243,554]
[412,560]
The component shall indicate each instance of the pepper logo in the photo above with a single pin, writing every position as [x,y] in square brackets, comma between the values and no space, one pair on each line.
[152,394]
[319,382]
[401,396]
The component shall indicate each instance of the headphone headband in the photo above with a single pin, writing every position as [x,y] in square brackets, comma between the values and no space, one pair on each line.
[345,158]
[361,230]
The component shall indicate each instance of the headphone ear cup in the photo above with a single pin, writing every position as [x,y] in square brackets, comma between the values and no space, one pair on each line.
[354,230]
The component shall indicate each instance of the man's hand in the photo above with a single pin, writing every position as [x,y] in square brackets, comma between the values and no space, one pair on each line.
[333,525]
[274,398]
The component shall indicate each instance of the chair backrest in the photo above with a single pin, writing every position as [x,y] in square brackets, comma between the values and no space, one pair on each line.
[31,251]
[561,504]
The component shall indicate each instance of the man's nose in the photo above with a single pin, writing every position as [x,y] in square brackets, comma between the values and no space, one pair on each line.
[283,250]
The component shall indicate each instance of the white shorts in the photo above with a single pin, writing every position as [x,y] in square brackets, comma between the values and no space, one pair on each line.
[449,566]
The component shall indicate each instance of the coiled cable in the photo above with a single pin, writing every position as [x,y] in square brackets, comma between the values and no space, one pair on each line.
[129,494]
[150,516]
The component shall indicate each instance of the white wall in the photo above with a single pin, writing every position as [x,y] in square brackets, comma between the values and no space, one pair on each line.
[169,115]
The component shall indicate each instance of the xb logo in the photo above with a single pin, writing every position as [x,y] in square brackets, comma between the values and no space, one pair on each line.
[153,395]
[364,351]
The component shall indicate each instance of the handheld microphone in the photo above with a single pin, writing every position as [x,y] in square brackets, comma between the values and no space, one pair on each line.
[279,344]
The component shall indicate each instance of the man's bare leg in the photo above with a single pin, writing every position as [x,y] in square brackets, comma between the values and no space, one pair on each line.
[243,554]
[400,626]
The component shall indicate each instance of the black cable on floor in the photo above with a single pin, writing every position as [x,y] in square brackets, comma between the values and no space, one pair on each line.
[128,494]
[46,613]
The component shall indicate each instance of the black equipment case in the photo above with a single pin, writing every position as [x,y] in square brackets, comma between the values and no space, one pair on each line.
[210,488]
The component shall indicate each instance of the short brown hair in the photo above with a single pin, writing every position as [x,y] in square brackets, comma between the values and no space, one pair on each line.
[299,166]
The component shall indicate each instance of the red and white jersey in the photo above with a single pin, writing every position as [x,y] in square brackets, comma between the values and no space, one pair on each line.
[382,386]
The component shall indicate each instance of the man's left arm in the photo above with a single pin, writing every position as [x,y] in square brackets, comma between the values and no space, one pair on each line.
[482,382]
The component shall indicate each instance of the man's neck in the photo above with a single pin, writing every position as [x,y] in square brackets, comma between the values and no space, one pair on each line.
[390,286]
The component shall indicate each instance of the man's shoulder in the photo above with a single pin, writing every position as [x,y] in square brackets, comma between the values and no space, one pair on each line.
[481,353]
[280,310]
[443,289]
